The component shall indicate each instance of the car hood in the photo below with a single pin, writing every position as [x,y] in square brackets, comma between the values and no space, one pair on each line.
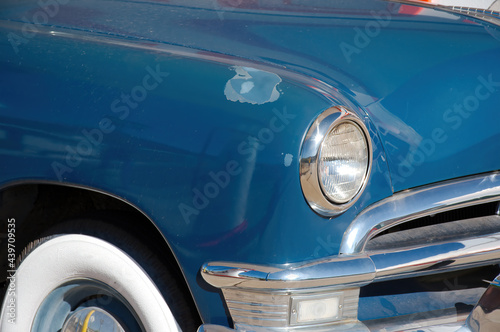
[434,94]
[427,78]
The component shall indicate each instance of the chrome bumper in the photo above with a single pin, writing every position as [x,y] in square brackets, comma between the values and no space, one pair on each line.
[434,328]
[349,327]
[252,286]
[358,270]
[261,298]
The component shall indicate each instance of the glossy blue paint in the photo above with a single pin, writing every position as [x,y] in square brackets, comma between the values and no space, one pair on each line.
[129,98]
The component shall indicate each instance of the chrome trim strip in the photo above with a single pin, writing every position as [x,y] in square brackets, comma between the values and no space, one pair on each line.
[309,155]
[435,258]
[263,307]
[267,322]
[345,271]
[359,270]
[416,203]
[259,315]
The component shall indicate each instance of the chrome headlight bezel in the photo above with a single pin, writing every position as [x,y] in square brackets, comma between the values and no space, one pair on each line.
[309,160]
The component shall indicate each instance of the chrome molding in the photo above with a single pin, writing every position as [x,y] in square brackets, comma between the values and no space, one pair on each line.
[430,259]
[412,204]
[358,270]
[309,178]
[345,271]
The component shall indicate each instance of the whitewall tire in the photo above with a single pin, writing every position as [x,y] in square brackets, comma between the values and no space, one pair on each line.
[79,263]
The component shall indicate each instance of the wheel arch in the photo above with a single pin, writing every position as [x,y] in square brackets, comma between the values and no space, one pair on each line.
[39,205]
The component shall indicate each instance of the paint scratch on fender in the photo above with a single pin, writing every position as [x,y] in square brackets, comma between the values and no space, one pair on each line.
[253,86]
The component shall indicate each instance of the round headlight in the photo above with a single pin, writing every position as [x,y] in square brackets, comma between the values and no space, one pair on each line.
[335,161]
[343,162]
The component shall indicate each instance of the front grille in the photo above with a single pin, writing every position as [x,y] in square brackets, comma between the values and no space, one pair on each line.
[452,225]
[427,231]
[469,212]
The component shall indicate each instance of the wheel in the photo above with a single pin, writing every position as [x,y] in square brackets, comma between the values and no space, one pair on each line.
[72,282]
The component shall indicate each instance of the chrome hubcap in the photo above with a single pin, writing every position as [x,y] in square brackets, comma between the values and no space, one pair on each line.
[68,307]
[91,319]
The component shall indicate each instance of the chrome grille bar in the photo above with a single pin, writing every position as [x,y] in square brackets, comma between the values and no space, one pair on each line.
[435,258]
[413,204]
[376,266]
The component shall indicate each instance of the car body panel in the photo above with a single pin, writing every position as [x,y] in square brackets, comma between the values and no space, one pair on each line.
[66,114]
[394,59]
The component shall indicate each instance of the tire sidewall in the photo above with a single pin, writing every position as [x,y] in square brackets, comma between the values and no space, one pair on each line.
[72,257]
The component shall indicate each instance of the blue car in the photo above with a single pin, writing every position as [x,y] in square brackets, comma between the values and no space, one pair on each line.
[249,165]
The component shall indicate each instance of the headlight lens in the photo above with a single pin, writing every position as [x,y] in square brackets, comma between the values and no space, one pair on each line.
[343,162]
